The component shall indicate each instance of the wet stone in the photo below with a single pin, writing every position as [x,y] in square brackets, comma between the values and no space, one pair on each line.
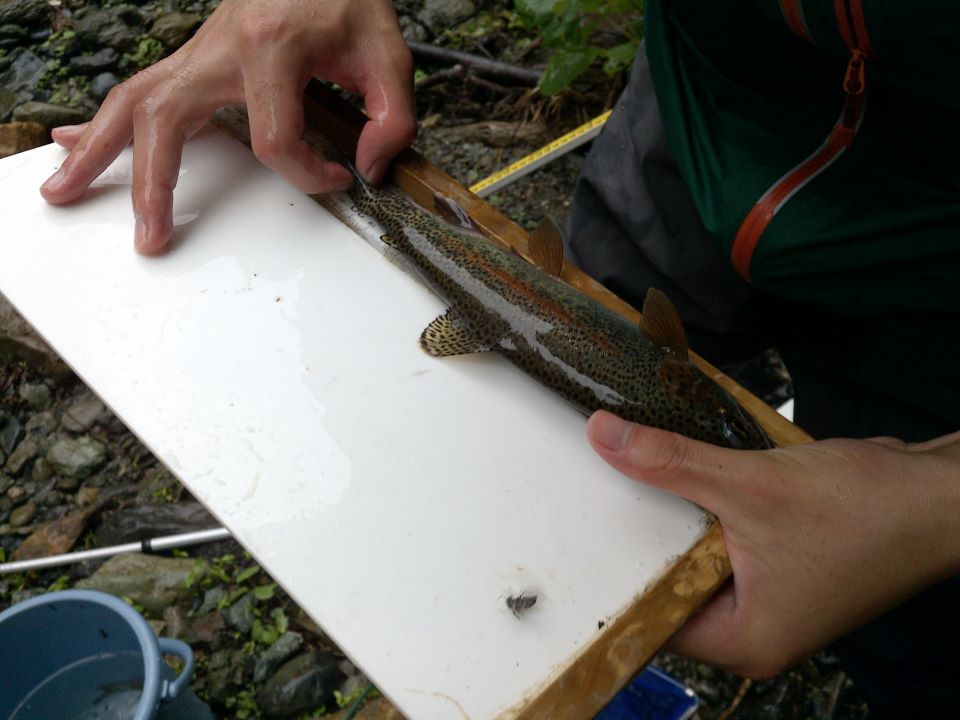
[116,27]
[174,29]
[240,615]
[50,498]
[301,684]
[50,115]
[103,83]
[207,628]
[42,424]
[83,413]
[56,537]
[103,59]
[153,582]
[36,395]
[10,433]
[177,624]
[24,12]
[438,15]
[24,452]
[77,457]
[23,515]
[139,523]
[24,73]
[211,599]
[269,660]
[43,471]
[86,496]
[224,674]
[6,482]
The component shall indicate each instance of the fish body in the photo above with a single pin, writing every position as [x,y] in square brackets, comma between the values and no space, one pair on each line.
[590,355]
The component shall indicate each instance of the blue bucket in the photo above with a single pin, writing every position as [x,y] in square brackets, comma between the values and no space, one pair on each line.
[82,654]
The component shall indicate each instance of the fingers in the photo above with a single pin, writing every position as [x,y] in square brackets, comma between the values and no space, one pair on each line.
[67,136]
[94,145]
[274,93]
[702,473]
[392,124]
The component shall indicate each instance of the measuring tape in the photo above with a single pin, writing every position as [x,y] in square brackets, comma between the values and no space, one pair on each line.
[538,158]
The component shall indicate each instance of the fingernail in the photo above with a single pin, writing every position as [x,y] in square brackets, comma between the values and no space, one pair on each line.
[53,183]
[611,432]
[139,234]
[374,173]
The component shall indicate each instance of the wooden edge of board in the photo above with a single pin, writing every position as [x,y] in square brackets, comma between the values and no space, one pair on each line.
[628,642]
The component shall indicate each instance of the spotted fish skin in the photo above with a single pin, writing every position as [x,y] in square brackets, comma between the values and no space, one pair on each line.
[590,355]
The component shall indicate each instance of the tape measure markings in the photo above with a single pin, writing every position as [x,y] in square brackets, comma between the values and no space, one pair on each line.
[538,158]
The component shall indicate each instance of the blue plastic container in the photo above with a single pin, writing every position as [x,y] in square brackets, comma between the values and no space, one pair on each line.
[86,655]
[651,695]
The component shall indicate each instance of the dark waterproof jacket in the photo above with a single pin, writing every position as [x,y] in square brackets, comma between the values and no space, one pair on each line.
[820,140]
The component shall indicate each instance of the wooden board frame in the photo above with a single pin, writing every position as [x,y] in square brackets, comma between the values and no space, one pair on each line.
[588,681]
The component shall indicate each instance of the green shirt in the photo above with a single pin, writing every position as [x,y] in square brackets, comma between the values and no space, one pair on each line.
[744,99]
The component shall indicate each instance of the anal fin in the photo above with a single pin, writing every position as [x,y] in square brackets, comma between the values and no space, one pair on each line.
[449,335]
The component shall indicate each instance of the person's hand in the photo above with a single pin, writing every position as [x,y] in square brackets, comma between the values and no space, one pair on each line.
[821,537]
[262,52]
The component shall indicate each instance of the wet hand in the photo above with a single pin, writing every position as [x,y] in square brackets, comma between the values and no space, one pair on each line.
[821,537]
[263,53]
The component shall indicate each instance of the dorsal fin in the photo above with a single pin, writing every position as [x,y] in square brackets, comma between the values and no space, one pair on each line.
[661,323]
[453,213]
[546,246]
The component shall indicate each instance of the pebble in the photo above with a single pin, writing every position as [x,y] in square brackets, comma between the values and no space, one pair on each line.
[50,115]
[86,496]
[271,658]
[302,684]
[10,433]
[42,423]
[438,15]
[26,450]
[77,457]
[103,83]
[151,581]
[240,615]
[23,12]
[23,515]
[174,29]
[88,64]
[36,395]
[83,413]
[43,471]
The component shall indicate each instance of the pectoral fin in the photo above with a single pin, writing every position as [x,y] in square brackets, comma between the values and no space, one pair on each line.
[661,323]
[546,246]
[453,213]
[449,335]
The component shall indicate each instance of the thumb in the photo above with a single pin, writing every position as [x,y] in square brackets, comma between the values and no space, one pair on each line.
[697,471]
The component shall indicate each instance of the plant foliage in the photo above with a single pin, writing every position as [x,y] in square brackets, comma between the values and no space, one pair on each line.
[580,32]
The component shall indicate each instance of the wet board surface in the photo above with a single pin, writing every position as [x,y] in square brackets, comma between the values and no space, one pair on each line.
[271,363]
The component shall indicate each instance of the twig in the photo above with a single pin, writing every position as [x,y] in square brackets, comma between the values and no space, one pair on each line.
[476,63]
[735,703]
[487,85]
[440,76]
[835,694]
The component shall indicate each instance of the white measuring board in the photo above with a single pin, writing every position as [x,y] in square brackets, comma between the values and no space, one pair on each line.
[271,362]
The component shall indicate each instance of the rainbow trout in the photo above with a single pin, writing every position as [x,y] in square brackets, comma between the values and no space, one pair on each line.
[590,355]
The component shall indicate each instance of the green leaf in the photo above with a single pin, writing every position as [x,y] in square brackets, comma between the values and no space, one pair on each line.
[564,66]
[620,56]
[280,620]
[247,574]
[265,592]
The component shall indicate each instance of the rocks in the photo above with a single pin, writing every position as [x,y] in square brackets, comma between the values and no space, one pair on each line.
[175,29]
[117,27]
[50,115]
[10,433]
[131,524]
[438,15]
[23,12]
[16,137]
[102,84]
[240,615]
[268,661]
[104,59]
[77,457]
[36,395]
[24,73]
[21,455]
[23,515]
[82,413]
[302,684]
[55,537]
[150,581]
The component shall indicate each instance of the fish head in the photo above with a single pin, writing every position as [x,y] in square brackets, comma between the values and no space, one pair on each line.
[707,410]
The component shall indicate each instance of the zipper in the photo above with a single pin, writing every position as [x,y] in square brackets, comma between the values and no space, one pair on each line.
[853,30]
